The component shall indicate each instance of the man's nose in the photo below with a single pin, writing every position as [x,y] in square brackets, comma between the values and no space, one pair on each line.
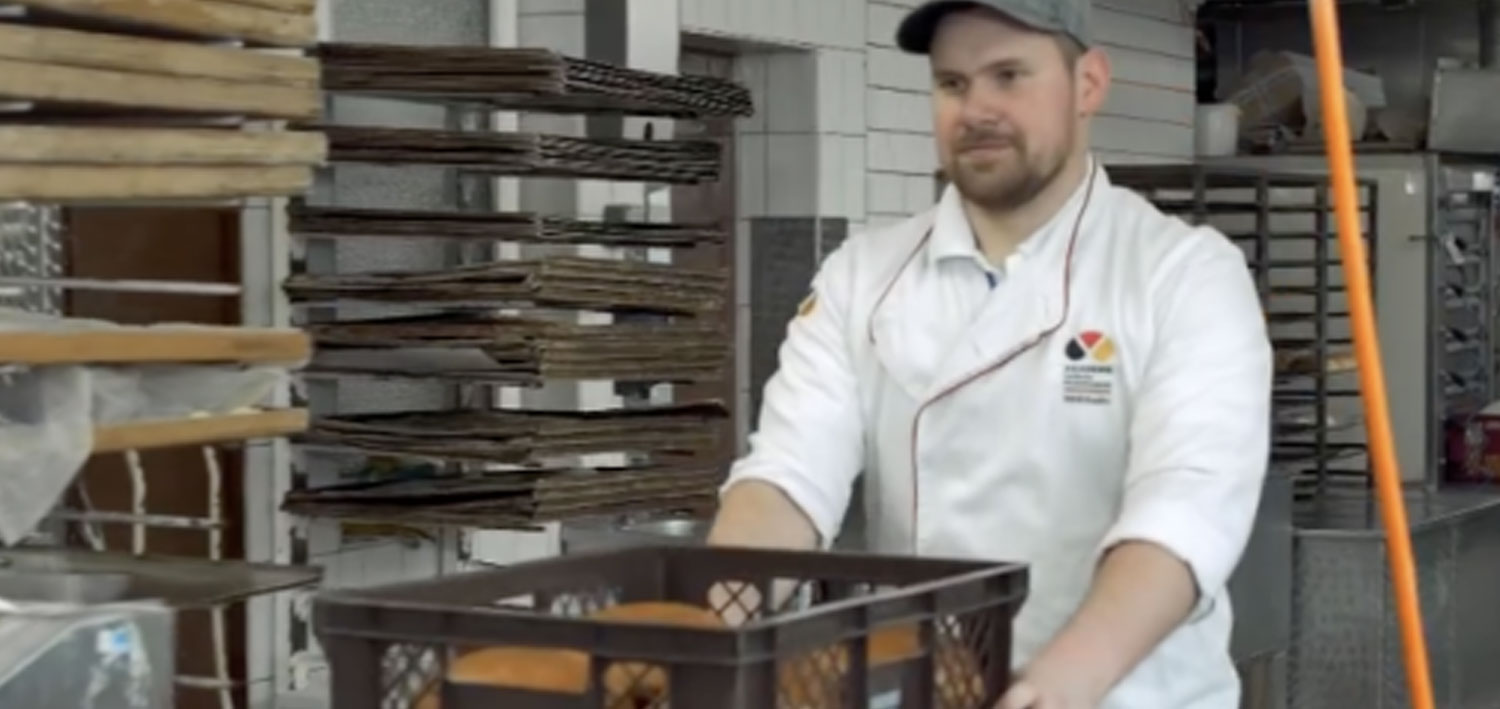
[981,109]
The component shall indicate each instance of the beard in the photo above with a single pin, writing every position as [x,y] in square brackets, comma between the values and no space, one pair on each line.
[1009,179]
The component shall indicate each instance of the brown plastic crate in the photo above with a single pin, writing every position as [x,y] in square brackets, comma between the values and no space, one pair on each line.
[951,620]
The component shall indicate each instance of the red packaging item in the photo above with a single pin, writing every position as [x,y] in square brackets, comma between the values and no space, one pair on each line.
[1473,447]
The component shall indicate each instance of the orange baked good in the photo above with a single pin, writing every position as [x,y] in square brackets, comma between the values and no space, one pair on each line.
[628,685]
[809,682]
[813,681]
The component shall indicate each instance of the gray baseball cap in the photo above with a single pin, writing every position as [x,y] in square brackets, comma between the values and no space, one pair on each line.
[1069,17]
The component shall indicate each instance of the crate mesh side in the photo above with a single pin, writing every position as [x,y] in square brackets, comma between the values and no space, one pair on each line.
[969,654]
[960,659]
[407,672]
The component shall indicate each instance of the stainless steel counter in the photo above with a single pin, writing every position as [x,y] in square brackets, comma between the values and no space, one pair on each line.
[1261,587]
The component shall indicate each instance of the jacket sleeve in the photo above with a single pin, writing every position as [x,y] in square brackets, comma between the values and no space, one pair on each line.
[810,439]
[1200,430]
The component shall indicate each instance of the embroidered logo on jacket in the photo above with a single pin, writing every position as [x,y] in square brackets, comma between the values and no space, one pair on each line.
[1089,375]
[808,305]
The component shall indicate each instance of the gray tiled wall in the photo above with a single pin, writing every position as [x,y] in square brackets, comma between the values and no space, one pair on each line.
[784,257]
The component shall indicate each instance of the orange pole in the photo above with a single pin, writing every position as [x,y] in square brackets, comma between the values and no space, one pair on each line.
[1325,24]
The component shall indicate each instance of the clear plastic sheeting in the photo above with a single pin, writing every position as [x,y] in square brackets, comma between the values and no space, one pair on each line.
[48,413]
[56,656]
[46,433]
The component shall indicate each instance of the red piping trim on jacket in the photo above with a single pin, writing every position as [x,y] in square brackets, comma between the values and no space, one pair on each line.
[993,367]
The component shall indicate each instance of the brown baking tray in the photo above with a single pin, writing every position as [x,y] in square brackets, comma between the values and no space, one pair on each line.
[529,154]
[520,350]
[516,436]
[525,79]
[513,498]
[519,227]
[564,281]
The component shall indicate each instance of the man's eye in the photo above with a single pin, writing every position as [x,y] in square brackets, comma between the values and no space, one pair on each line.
[950,84]
[1006,76]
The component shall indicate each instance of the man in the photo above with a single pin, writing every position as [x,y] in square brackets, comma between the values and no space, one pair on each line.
[1043,369]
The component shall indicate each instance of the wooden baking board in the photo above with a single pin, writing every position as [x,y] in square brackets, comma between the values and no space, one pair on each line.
[49,145]
[134,345]
[97,50]
[38,82]
[298,6]
[244,19]
[119,182]
[167,433]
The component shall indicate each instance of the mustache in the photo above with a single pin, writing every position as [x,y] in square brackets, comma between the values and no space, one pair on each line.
[987,139]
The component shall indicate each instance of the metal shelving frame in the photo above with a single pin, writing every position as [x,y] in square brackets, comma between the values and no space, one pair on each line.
[293,654]
[1462,308]
[32,263]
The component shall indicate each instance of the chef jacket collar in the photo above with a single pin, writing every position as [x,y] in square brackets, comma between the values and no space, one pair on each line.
[953,237]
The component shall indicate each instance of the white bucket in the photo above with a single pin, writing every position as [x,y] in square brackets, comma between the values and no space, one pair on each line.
[1217,129]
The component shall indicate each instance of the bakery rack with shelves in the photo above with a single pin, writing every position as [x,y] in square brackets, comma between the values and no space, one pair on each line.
[130,104]
[1462,306]
[1283,222]
[520,323]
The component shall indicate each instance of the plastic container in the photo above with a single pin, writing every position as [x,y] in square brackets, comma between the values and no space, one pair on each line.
[1217,129]
[844,630]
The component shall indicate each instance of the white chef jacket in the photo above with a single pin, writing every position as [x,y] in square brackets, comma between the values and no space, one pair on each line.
[1112,384]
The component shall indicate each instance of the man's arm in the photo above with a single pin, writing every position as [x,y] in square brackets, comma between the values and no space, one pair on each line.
[1199,440]
[792,489]
[755,513]
[1141,593]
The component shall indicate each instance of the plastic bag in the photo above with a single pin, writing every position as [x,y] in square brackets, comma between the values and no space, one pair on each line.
[46,433]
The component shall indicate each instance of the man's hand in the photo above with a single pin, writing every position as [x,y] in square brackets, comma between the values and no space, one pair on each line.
[1141,593]
[1040,687]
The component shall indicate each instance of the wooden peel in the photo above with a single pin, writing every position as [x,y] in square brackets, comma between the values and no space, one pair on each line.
[811,681]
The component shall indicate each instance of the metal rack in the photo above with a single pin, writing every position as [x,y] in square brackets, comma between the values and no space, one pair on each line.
[423,506]
[553,305]
[136,103]
[1462,309]
[1283,221]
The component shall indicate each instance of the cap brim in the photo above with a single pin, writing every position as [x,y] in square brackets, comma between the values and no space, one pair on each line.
[916,31]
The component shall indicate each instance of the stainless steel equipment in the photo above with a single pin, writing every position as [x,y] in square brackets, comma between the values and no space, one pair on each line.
[613,533]
[91,577]
[1346,651]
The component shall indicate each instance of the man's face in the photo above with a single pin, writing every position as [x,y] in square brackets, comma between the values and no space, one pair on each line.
[1007,106]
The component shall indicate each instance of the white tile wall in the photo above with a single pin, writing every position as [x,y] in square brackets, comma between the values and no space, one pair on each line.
[792,177]
[803,23]
[792,88]
[844,120]
[544,7]
[555,30]
[881,19]
[892,68]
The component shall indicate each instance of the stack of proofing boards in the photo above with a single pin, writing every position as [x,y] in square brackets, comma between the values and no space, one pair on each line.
[128,100]
[540,319]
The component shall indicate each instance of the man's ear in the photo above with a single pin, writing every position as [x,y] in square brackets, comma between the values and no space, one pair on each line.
[1092,77]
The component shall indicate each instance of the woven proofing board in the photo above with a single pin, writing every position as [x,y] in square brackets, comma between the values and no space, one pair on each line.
[530,79]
